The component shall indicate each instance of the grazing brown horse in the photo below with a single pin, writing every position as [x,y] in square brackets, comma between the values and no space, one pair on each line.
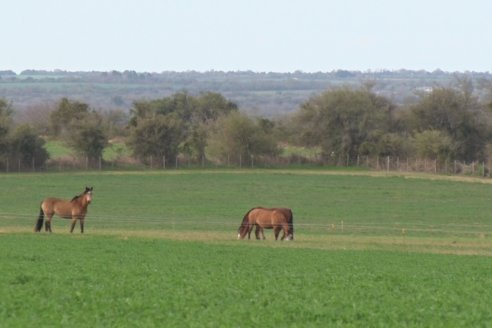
[267,218]
[74,209]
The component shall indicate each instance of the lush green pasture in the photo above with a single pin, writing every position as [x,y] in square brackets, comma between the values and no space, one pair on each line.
[101,281]
[57,149]
[324,202]
[160,249]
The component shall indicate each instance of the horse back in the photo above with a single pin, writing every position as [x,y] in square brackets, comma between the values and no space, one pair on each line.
[60,207]
[270,217]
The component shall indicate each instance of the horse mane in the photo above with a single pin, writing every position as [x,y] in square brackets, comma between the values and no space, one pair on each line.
[245,218]
[75,198]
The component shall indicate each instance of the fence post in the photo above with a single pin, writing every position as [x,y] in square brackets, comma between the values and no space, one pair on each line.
[387,163]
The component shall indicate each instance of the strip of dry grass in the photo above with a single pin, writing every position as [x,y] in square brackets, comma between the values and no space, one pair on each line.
[480,246]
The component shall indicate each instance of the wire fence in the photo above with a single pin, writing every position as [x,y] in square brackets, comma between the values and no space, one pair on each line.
[321,226]
[379,163]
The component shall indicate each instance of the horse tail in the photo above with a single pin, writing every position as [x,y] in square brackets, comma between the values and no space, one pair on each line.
[291,224]
[39,222]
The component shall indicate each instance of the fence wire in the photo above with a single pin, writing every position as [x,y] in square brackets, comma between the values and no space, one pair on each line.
[328,226]
[380,163]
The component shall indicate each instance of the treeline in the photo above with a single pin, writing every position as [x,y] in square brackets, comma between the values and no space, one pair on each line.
[262,93]
[446,123]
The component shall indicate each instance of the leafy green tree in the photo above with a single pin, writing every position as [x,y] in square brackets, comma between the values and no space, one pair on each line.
[67,113]
[341,120]
[82,129]
[380,143]
[456,113]
[5,123]
[208,108]
[115,122]
[27,147]
[88,138]
[188,123]
[433,144]
[156,136]
[237,135]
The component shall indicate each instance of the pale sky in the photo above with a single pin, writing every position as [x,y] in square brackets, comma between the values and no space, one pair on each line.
[257,35]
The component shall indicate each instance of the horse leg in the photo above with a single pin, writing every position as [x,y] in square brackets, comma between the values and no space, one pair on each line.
[285,229]
[262,230]
[250,228]
[47,224]
[257,232]
[74,221]
[81,225]
[276,231]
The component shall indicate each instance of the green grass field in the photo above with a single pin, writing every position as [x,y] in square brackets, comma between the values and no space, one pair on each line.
[58,149]
[370,250]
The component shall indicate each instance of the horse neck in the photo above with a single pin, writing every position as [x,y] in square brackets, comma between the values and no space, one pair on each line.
[81,201]
[246,218]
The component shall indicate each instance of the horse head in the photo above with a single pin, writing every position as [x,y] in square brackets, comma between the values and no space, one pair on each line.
[88,194]
[242,231]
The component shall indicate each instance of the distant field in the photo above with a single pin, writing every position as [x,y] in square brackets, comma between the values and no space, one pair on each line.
[160,248]
[57,149]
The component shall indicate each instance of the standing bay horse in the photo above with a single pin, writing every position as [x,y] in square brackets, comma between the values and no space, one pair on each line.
[267,218]
[74,209]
